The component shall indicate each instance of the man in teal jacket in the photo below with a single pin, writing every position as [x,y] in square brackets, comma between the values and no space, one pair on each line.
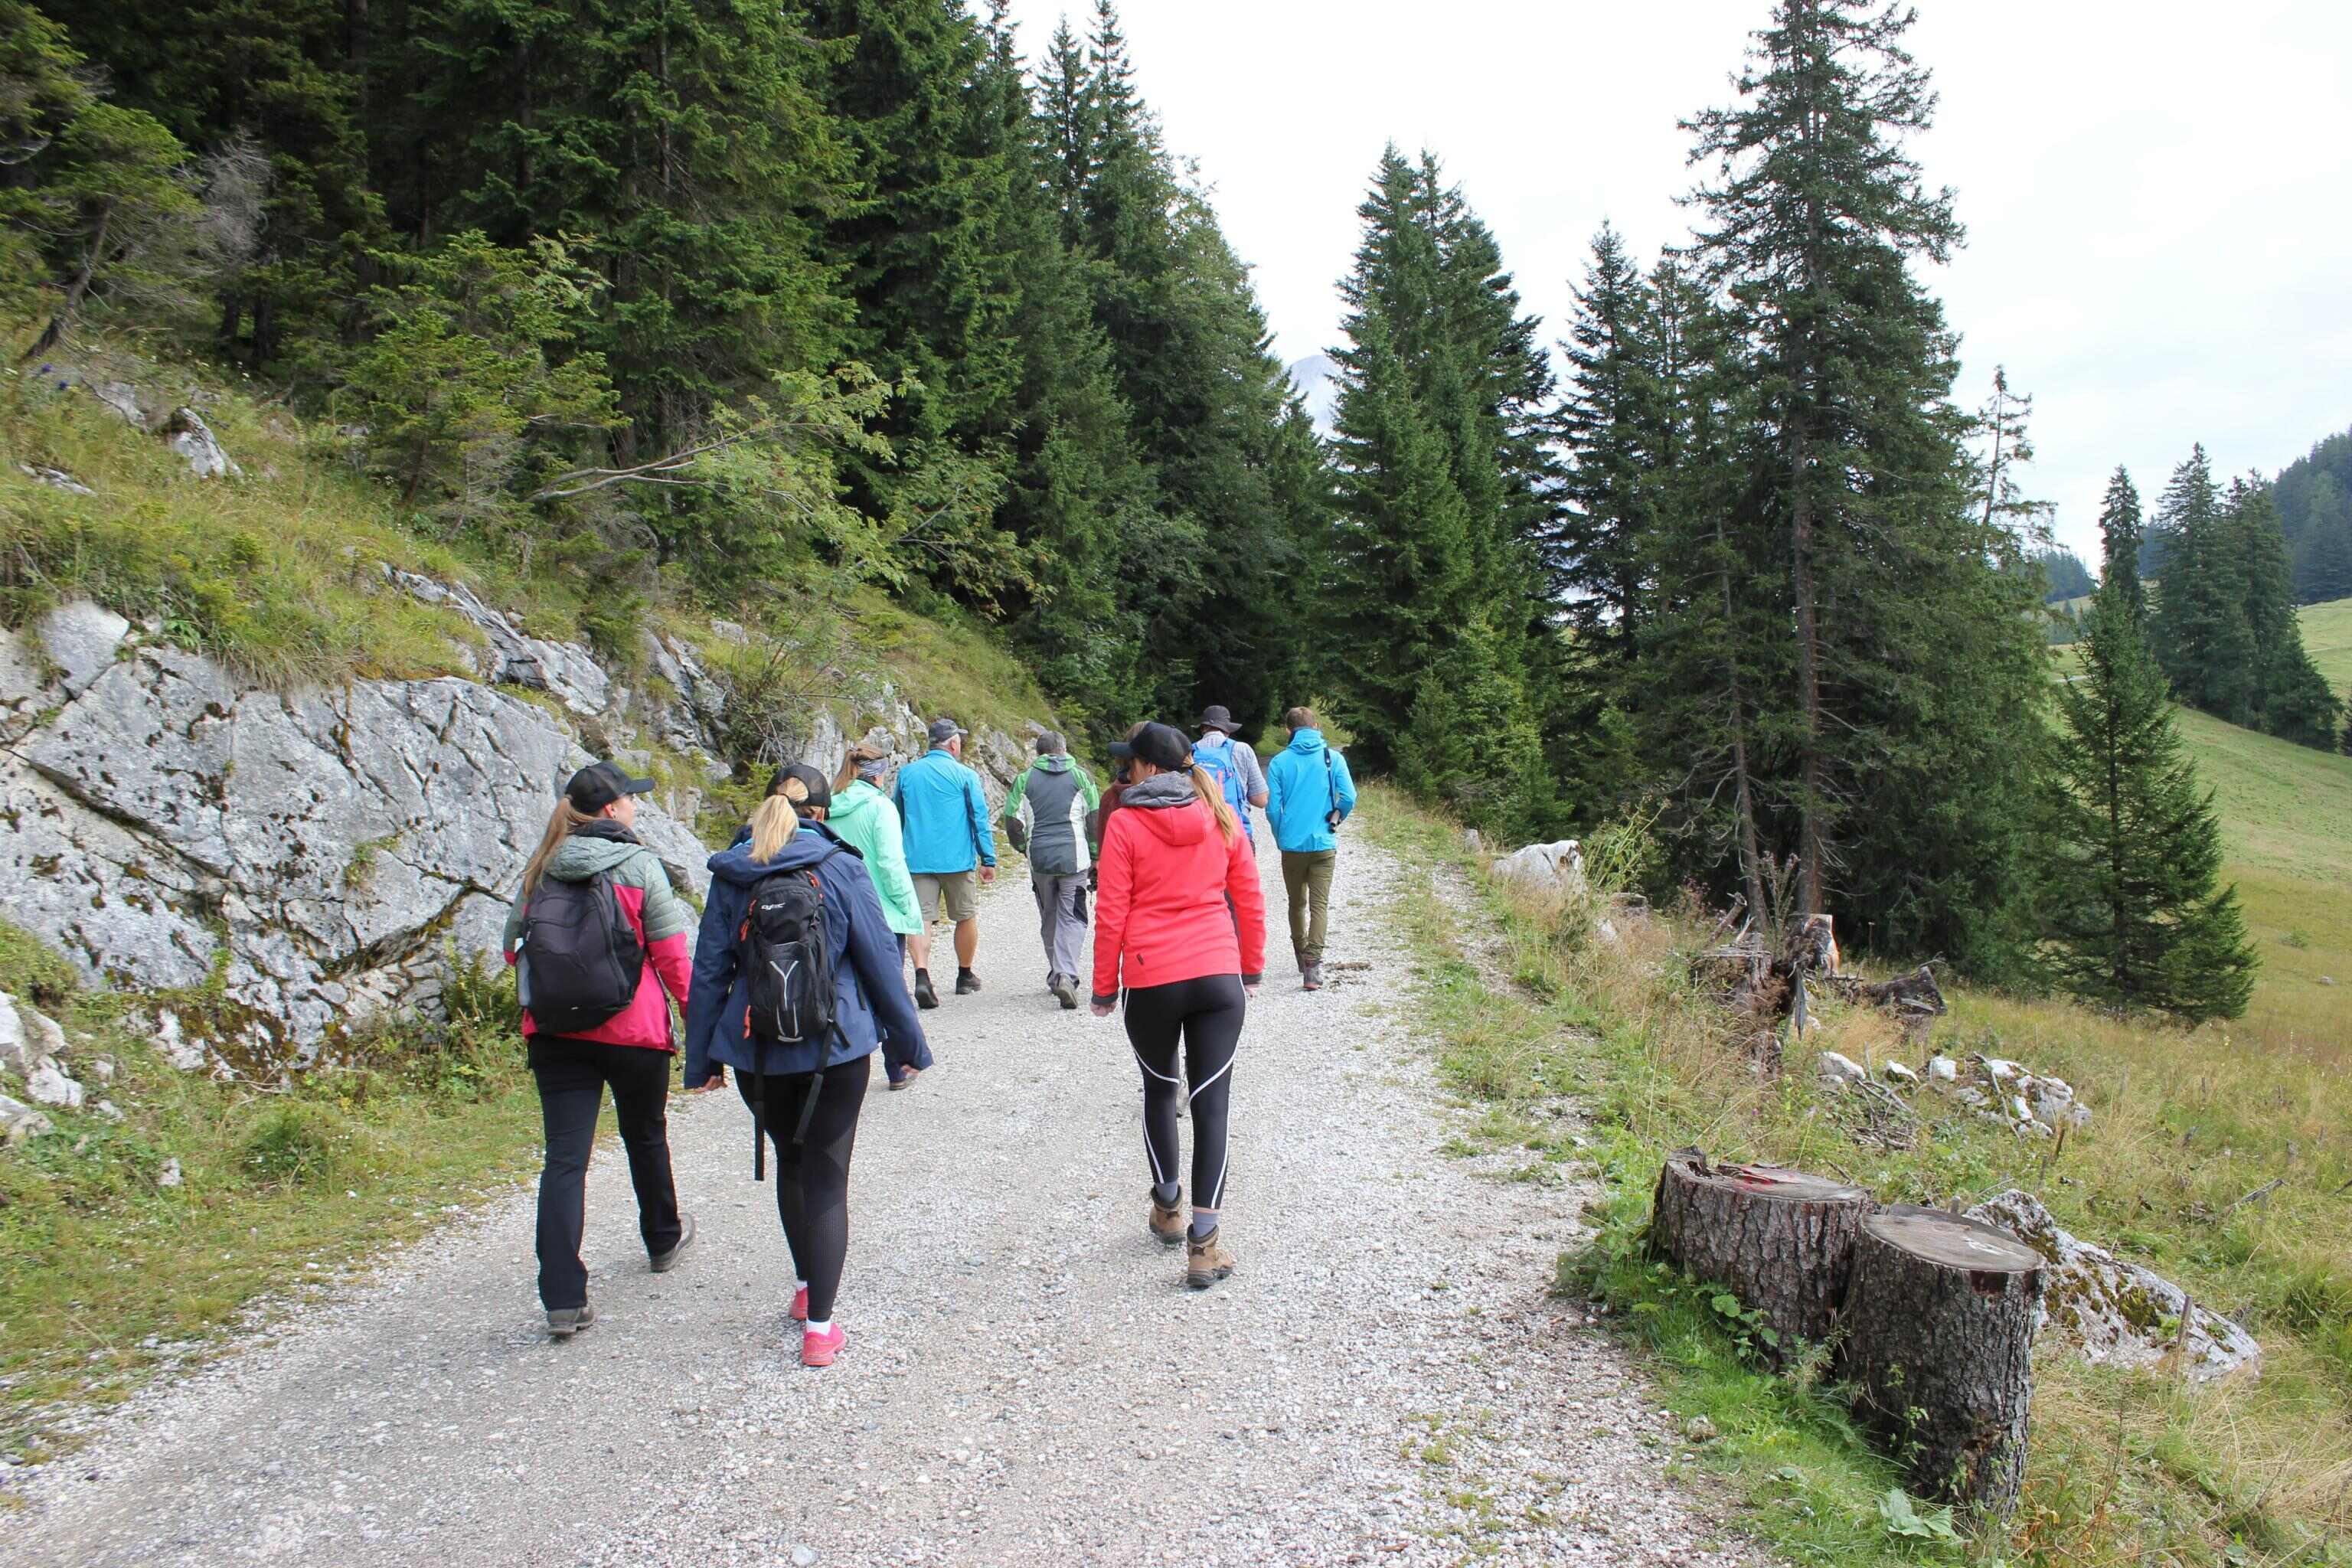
[1308,794]
[945,814]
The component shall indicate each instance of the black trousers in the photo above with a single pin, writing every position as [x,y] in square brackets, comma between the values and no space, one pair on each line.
[573,1075]
[1205,1015]
[812,1177]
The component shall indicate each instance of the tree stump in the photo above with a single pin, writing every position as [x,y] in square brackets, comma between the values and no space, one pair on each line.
[1938,1335]
[1780,1240]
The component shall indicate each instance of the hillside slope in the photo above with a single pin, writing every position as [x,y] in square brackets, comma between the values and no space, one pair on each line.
[2287,820]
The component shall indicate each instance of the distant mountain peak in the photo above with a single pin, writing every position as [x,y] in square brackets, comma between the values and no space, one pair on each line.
[1317,380]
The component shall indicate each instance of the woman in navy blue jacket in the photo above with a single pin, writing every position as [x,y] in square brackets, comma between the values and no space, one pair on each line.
[871,1011]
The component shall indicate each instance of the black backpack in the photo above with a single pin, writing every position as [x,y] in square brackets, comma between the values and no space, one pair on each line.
[788,977]
[582,957]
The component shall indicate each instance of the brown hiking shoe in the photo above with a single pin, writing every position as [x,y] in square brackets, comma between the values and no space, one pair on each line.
[1167,1221]
[1206,1261]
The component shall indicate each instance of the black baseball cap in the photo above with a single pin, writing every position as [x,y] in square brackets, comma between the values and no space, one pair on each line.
[1164,747]
[944,729]
[599,784]
[818,788]
[1214,717]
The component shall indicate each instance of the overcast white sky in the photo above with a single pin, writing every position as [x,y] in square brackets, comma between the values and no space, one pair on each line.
[2159,195]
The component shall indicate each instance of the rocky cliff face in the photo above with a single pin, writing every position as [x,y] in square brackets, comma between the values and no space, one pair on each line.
[290,862]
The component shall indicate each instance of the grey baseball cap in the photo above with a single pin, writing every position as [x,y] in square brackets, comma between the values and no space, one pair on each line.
[944,729]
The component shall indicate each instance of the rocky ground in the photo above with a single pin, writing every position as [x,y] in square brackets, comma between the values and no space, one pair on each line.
[1385,1379]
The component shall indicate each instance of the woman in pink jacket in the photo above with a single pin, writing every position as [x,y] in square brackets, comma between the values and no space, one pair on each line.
[1180,924]
[593,897]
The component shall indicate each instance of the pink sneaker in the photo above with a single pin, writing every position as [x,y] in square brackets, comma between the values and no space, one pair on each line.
[818,1350]
[799,1313]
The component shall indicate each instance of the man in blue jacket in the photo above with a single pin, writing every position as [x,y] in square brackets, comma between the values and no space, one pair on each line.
[944,813]
[1309,795]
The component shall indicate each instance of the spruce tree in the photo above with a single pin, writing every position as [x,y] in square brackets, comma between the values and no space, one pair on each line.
[1903,738]
[2134,921]
[2120,529]
[1610,423]
[289,75]
[2199,629]
[2292,699]
[687,147]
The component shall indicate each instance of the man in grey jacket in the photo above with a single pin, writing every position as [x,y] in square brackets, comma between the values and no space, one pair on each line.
[1046,817]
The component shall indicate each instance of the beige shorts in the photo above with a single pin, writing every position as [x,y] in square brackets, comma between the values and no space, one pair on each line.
[951,888]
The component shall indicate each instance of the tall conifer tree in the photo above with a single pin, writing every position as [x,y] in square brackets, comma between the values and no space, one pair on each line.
[2121,525]
[2199,629]
[2135,920]
[1903,738]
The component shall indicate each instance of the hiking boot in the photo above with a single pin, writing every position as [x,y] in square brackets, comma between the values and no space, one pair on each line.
[1066,991]
[925,997]
[1167,1221]
[967,983]
[1206,1261]
[818,1350]
[665,1261]
[562,1322]
[798,1311]
[1310,975]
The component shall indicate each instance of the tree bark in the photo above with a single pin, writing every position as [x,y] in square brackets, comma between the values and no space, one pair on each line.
[1780,1240]
[1939,1340]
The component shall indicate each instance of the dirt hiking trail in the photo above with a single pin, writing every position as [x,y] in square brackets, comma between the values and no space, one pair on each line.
[1385,1379]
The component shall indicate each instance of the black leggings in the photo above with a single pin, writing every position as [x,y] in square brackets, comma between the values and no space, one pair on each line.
[1206,1015]
[813,1177]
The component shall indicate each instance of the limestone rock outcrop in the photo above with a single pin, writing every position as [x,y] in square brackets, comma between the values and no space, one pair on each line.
[281,864]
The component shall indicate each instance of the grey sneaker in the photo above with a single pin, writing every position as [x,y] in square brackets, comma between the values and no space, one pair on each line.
[1066,991]
[562,1322]
[665,1261]
[1310,974]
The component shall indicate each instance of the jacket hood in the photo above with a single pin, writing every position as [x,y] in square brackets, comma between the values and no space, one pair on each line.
[1054,762]
[584,854]
[1305,740]
[855,802]
[805,847]
[1170,808]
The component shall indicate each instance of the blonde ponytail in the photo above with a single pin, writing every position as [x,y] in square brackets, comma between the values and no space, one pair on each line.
[560,822]
[1214,799]
[773,824]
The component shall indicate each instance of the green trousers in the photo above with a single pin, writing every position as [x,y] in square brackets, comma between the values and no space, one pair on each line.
[1306,878]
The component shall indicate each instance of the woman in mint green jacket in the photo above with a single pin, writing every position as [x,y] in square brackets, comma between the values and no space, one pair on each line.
[864,819]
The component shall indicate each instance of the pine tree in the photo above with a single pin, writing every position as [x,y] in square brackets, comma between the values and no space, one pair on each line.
[2135,922]
[686,146]
[2292,699]
[1470,742]
[1903,738]
[2120,528]
[291,76]
[2199,629]
[1610,423]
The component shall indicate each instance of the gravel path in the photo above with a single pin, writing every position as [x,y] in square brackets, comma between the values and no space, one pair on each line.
[1385,1379]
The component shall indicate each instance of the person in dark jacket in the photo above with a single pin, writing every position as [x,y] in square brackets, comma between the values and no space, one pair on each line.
[589,834]
[872,1012]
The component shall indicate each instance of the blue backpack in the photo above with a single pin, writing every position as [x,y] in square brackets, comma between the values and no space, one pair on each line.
[1215,758]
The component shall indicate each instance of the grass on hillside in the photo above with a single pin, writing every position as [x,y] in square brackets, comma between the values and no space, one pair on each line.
[2328,638]
[108,1275]
[2124,1467]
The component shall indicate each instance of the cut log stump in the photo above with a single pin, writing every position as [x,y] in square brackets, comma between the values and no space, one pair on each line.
[1780,1240]
[1939,1334]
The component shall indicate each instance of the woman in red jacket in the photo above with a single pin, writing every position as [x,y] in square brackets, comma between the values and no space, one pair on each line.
[1172,856]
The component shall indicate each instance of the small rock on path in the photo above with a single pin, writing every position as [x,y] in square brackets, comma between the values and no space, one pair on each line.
[1385,1379]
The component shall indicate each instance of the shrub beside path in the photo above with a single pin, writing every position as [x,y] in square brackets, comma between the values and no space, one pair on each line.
[1385,1379]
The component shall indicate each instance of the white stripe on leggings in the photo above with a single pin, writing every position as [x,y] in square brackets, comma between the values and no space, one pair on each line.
[1158,1176]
